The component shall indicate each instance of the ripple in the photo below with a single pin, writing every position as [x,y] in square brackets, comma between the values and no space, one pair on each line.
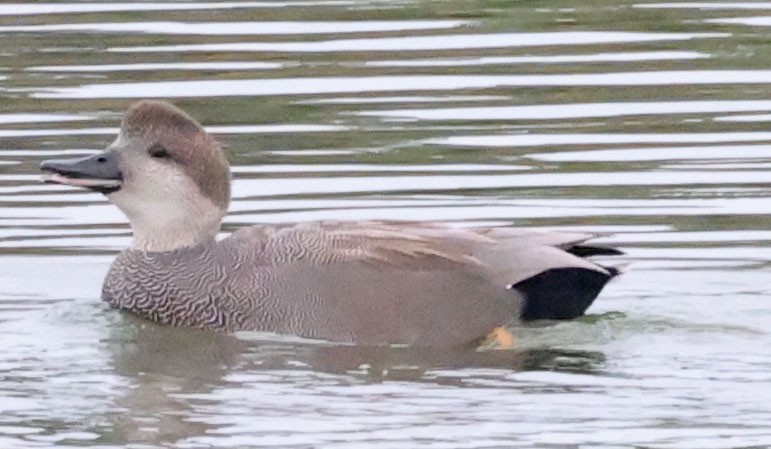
[231,129]
[749,21]
[701,153]
[13,9]
[202,66]
[745,118]
[519,140]
[414,99]
[242,28]
[510,211]
[439,42]
[573,111]
[337,85]
[449,183]
[6,119]
[705,5]
[367,168]
[559,59]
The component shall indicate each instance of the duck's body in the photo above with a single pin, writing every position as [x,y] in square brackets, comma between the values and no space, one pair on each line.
[361,282]
[366,284]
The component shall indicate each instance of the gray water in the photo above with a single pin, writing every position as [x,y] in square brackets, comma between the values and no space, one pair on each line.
[646,121]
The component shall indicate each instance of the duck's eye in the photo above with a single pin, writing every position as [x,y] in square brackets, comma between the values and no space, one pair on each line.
[158,151]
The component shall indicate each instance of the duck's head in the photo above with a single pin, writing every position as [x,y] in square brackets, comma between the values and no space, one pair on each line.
[163,171]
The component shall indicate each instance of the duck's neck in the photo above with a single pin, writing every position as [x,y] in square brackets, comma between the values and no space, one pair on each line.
[166,231]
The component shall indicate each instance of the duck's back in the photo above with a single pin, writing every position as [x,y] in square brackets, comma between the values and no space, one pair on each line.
[369,283]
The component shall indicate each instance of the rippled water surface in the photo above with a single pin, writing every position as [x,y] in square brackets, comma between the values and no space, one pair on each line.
[647,121]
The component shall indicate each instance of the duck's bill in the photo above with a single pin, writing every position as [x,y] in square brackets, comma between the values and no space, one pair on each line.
[89,183]
[99,173]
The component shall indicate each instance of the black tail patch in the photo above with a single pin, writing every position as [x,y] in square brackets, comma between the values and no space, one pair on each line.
[587,251]
[561,293]
[613,270]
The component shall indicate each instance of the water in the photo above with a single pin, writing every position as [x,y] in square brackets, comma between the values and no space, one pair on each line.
[644,120]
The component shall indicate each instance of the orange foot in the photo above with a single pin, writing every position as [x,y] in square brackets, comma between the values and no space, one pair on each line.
[499,338]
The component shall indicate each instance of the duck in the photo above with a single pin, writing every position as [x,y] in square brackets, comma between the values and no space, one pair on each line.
[375,282]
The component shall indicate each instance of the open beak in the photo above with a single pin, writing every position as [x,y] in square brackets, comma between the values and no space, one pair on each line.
[100,172]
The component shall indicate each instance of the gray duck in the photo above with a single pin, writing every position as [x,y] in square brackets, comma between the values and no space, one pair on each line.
[363,282]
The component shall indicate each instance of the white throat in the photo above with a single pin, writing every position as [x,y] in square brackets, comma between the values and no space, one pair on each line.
[160,229]
[164,223]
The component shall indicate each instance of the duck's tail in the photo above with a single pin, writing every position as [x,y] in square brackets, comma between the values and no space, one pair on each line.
[566,292]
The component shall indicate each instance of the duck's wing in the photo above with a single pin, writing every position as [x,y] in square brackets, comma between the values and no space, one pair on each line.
[512,254]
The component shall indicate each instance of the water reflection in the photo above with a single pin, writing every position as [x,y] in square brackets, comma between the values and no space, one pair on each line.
[167,368]
[205,358]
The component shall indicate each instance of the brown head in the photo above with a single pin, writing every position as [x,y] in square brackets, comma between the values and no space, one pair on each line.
[163,171]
